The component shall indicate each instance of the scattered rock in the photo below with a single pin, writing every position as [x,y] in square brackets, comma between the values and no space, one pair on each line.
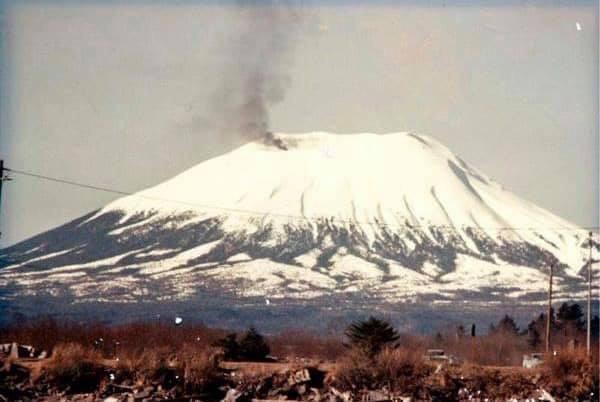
[232,395]
[545,396]
[299,377]
[17,351]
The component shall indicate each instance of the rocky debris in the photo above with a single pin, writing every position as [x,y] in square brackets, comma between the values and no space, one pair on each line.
[14,381]
[383,396]
[341,396]
[306,384]
[232,395]
[376,396]
[14,350]
[303,384]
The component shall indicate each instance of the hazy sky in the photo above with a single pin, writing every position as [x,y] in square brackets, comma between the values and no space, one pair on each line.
[116,95]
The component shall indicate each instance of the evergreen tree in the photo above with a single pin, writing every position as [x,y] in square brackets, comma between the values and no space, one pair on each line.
[371,335]
[253,346]
[541,320]
[571,314]
[230,346]
[533,335]
[537,329]
[506,325]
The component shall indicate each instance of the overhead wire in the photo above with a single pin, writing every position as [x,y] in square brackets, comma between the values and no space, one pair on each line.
[280,215]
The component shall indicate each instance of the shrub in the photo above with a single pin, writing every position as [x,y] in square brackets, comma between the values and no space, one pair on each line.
[194,366]
[201,370]
[74,368]
[393,368]
[145,365]
[571,375]
[496,383]
[354,371]
[401,368]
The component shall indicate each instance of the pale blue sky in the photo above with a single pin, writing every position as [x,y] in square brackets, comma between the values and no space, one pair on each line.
[115,95]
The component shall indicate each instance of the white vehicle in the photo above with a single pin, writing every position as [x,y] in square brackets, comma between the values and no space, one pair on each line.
[438,355]
[533,360]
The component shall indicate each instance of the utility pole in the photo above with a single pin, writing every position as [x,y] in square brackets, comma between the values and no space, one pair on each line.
[2,180]
[549,315]
[589,301]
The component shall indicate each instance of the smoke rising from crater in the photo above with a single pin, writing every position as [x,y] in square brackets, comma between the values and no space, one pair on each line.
[257,68]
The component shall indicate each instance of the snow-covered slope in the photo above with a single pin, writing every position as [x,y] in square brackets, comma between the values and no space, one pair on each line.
[388,217]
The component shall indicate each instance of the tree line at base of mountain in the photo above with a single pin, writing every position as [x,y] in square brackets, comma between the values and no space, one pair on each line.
[503,344]
[567,329]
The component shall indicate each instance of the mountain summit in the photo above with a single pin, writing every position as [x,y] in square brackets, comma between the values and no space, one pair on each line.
[307,217]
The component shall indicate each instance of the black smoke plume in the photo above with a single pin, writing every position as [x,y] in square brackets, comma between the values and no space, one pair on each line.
[257,72]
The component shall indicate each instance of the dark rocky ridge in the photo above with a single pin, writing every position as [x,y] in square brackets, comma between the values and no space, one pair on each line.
[88,239]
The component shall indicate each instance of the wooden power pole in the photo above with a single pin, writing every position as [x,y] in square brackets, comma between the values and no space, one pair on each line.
[1,180]
[588,343]
[549,314]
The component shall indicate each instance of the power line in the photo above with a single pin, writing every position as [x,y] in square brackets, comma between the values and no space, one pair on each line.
[69,182]
[279,215]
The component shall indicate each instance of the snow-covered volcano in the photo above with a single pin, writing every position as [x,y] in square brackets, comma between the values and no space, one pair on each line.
[387,218]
